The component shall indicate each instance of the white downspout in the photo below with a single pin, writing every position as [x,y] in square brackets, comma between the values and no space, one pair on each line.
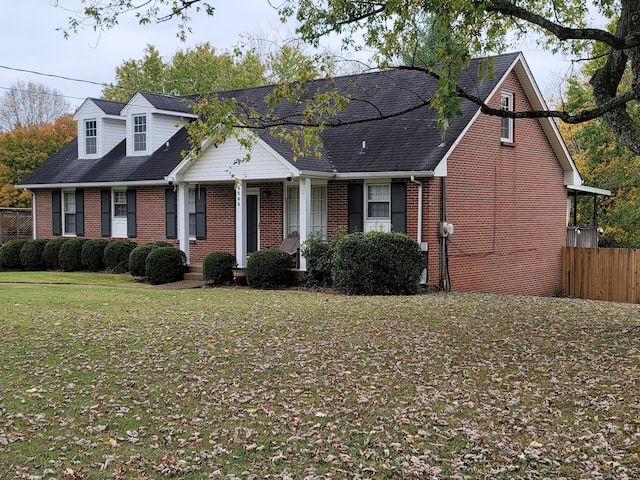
[419,233]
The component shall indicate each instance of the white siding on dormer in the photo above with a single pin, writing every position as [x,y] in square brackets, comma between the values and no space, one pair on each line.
[217,164]
[88,111]
[162,128]
[113,132]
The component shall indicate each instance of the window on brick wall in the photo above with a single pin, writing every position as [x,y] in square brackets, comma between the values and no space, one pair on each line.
[69,212]
[506,131]
[318,220]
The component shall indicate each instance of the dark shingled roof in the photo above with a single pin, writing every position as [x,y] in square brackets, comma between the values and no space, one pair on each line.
[108,107]
[410,142]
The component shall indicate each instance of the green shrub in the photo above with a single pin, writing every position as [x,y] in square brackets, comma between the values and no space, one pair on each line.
[161,244]
[165,265]
[116,255]
[377,263]
[269,268]
[318,254]
[138,259]
[31,255]
[10,254]
[70,254]
[92,256]
[51,252]
[217,268]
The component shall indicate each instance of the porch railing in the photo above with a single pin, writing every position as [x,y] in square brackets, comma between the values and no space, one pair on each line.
[585,237]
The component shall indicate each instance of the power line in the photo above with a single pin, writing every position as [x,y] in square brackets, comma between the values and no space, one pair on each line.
[102,84]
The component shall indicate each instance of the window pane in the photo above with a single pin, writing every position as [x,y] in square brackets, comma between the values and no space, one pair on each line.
[120,203]
[192,212]
[319,210]
[293,209]
[378,210]
[139,133]
[69,206]
[379,193]
[91,133]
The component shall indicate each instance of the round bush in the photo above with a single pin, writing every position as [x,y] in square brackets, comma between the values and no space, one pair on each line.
[318,254]
[217,268]
[138,259]
[51,252]
[116,255]
[70,254]
[10,254]
[165,265]
[377,263]
[31,255]
[92,256]
[269,268]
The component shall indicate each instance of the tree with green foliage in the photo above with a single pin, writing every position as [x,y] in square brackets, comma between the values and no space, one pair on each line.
[462,29]
[25,148]
[194,71]
[604,162]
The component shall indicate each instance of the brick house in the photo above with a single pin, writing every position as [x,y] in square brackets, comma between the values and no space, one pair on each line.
[488,200]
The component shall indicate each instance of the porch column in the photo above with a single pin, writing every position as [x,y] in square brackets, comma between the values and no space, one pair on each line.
[183,218]
[305,215]
[241,223]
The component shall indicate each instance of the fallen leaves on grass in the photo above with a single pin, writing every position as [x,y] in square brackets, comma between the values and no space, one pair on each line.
[222,383]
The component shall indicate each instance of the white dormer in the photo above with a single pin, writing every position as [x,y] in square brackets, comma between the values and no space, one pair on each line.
[100,127]
[151,120]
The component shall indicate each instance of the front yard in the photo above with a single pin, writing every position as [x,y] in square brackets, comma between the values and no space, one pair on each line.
[136,383]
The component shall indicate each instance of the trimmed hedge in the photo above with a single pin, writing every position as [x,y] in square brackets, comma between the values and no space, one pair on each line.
[51,252]
[31,255]
[217,268]
[138,259]
[116,255]
[318,254]
[269,268]
[70,254]
[165,265]
[378,263]
[10,254]
[92,256]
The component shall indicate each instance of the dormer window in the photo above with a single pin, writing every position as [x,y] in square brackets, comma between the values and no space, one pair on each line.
[506,132]
[139,133]
[91,137]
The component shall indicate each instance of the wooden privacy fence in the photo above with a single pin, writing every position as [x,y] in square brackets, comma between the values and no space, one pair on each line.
[611,274]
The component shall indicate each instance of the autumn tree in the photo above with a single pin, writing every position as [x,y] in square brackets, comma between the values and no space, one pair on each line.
[462,29]
[29,103]
[197,70]
[22,149]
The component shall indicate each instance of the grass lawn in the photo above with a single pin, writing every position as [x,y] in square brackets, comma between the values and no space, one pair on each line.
[137,383]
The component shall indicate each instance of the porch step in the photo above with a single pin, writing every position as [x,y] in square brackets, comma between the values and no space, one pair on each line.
[194,272]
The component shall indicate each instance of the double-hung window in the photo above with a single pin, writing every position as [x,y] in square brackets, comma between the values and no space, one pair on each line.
[293,209]
[139,133]
[379,201]
[120,203]
[90,137]
[506,132]
[192,213]
[317,223]
[69,212]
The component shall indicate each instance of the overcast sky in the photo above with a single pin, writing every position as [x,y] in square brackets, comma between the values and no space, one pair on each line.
[29,41]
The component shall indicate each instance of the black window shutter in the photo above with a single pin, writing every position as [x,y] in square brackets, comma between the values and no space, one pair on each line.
[80,213]
[56,210]
[131,214]
[105,213]
[399,207]
[356,213]
[201,213]
[171,210]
